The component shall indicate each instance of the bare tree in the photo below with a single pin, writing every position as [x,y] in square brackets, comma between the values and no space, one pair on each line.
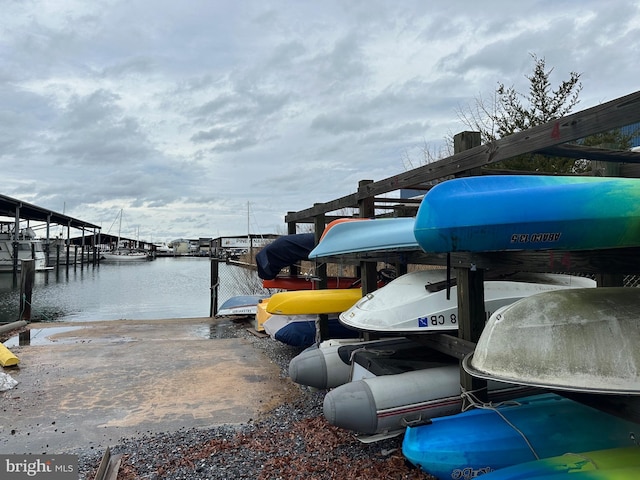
[508,111]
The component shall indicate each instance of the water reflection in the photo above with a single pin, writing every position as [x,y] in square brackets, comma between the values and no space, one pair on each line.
[164,288]
[172,287]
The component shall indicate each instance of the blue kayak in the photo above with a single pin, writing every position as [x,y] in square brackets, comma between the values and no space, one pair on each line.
[529,212]
[482,440]
[612,463]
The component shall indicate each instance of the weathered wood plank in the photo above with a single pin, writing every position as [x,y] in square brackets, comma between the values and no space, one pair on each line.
[616,113]
[592,153]
[613,261]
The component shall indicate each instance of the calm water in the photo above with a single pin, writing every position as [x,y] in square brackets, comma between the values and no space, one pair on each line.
[171,287]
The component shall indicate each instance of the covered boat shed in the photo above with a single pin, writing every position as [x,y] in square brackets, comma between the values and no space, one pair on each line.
[11,207]
[20,210]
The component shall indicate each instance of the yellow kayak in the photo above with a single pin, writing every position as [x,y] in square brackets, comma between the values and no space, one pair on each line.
[310,302]
[261,314]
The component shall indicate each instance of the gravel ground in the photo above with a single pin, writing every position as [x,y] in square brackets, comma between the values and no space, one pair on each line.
[293,441]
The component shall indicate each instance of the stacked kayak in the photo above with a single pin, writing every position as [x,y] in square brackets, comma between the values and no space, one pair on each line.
[480,441]
[529,212]
[379,235]
[313,302]
[613,464]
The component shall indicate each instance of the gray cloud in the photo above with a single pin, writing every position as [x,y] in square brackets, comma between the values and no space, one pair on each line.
[183,116]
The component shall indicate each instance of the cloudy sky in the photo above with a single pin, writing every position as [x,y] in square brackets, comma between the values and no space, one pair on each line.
[207,117]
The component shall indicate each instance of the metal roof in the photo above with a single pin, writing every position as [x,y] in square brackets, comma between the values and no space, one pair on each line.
[28,211]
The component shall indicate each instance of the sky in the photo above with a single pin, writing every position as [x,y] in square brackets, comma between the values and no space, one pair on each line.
[210,118]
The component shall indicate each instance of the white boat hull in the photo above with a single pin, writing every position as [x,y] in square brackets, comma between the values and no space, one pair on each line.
[111,257]
[28,249]
[582,340]
[406,306]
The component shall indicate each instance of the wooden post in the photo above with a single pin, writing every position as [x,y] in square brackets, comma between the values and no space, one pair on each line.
[68,244]
[369,273]
[294,269]
[27,279]
[215,282]
[471,320]
[82,249]
[15,257]
[465,141]
[470,281]
[322,322]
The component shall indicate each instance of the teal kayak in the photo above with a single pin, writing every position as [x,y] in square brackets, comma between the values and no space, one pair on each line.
[613,463]
[529,212]
[482,440]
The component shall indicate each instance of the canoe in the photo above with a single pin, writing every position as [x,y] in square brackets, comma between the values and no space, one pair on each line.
[300,330]
[383,406]
[611,463]
[375,235]
[583,340]
[313,302]
[418,302]
[240,305]
[482,440]
[308,283]
[521,212]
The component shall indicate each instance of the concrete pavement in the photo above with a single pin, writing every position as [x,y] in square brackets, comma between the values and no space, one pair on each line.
[86,385]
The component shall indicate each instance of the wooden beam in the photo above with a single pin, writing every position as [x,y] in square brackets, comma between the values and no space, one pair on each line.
[591,153]
[617,113]
[471,320]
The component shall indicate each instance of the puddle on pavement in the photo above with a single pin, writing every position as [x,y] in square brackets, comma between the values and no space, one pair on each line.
[221,328]
[40,336]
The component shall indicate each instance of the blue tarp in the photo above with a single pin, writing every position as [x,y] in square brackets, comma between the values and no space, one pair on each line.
[284,251]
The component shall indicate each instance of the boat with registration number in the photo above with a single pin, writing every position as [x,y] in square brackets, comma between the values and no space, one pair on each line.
[425,302]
